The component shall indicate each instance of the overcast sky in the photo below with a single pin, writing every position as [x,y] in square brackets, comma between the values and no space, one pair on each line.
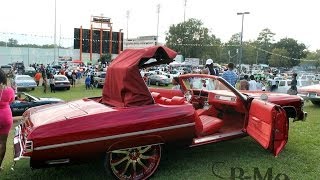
[287,18]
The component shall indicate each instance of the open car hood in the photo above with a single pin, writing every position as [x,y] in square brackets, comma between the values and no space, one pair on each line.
[48,114]
[124,86]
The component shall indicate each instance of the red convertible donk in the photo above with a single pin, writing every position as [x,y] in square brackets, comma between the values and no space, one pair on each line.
[130,123]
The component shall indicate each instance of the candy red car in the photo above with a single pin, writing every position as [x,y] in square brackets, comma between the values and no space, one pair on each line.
[131,123]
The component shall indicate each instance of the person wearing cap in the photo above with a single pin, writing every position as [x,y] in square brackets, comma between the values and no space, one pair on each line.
[210,69]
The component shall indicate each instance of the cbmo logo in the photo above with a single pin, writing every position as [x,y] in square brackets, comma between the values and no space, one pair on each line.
[238,173]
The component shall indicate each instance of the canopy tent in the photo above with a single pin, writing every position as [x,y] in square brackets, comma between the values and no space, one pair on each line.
[124,86]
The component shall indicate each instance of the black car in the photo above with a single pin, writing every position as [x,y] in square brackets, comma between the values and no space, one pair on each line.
[24,101]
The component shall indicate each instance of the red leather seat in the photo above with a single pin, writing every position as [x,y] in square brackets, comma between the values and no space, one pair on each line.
[207,125]
[176,100]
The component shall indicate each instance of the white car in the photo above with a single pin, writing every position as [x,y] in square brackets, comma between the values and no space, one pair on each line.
[285,84]
[23,82]
[61,82]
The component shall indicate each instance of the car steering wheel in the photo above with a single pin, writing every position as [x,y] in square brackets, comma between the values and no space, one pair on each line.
[188,95]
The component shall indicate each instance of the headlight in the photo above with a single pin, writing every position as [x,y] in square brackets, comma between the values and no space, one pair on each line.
[29,146]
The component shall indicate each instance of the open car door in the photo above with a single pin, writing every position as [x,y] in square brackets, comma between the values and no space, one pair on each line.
[268,124]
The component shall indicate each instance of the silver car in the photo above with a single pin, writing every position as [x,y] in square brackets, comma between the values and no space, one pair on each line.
[61,82]
[23,82]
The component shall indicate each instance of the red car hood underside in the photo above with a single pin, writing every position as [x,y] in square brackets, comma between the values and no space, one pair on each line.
[64,111]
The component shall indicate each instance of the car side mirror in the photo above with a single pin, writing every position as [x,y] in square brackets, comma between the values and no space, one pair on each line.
[264,97]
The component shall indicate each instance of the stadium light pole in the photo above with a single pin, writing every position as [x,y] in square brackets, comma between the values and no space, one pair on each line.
[158,11]
[241,36]
[55,31]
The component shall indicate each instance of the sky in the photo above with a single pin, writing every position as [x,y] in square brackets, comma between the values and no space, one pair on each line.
[33,20]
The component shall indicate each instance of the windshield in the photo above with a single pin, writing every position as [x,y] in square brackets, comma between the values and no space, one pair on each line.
[60,78]
[201,83]
[24,78]
[306,83]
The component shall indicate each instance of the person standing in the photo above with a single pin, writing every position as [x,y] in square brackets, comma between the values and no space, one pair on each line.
[6,97]
[244,84]
[37,77]
[259,84]
[175,83]
[230,76]
[88,82]
[52,83]
[293,89]
[44,84]
[73,78]
[252,84]
[210,69]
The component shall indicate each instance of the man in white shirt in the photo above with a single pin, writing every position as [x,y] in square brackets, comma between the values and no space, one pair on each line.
[252,84]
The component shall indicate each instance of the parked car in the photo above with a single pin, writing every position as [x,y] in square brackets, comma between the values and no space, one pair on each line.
[285,84]
[129,125]
[158,80]
[61,82]
[19,67]
[7,70]
[311,93]
[24,101]
[98,81]
[29,71]
[21,82]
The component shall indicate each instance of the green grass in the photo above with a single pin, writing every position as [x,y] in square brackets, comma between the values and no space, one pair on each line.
[299,160]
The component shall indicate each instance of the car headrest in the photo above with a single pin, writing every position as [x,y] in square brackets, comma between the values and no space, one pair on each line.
[155,95]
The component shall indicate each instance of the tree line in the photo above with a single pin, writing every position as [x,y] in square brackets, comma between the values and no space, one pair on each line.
[14,43]
[192,39]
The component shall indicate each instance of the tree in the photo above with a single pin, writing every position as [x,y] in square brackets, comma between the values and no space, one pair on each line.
[314,57]
[105,58]
[295,50]
[12,42]
[265,41]
[2,43]
[191,39]
[249,55]
[279,58]
[231,49]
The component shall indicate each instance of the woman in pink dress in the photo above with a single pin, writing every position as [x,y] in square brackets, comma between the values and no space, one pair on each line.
[6,97]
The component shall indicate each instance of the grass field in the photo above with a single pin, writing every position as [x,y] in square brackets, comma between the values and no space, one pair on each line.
[299,160]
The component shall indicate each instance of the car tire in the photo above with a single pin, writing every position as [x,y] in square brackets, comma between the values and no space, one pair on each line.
[32,89]
[134,163]
[68,88]
[316,103]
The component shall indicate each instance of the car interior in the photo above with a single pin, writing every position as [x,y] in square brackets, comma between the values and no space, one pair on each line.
[217,111]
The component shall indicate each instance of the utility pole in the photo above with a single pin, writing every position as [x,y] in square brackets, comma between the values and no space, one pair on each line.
[59,42]
[241,36]
[128,14]
[184,20]
[55,31]
[158,11]
[184,13]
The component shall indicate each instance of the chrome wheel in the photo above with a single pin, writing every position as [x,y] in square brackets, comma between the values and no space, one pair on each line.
[135,163]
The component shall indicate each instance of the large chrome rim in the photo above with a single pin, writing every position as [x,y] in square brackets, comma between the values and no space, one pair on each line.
[135,163]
